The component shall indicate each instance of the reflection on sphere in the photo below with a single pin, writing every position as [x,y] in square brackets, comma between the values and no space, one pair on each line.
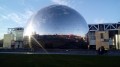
[57,21]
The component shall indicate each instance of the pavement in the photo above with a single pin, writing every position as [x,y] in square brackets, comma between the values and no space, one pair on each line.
[62,51]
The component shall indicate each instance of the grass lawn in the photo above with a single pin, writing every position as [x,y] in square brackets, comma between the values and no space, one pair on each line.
[19,60]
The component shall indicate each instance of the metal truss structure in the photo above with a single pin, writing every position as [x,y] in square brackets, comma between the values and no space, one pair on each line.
[11,30]
[104,27]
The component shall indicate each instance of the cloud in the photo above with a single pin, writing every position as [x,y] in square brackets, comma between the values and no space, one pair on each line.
[68,2]
[2,18]
[97,21]
[62,2]
[17,17]
[71,3]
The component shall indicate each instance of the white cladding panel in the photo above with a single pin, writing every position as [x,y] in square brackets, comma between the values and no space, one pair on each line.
[18,35]
[8,38]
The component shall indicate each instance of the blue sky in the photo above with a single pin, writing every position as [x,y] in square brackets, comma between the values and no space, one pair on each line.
[15,13]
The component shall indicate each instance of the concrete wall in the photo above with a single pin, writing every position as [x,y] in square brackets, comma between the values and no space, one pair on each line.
[102,41]
[8,38]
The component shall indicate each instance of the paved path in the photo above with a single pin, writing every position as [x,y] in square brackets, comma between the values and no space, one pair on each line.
[68,52]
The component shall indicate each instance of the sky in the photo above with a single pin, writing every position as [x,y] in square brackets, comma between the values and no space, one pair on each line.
[15,13]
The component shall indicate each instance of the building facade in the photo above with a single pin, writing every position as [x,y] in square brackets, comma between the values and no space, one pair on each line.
[8,39]
[107,35]
[14,38]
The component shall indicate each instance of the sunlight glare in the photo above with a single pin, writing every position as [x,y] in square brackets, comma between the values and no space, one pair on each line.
[29,31]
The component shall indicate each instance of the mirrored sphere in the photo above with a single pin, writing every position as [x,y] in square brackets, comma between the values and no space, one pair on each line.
[57,19]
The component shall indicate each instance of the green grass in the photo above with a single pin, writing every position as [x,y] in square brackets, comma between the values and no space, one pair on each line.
[19,60]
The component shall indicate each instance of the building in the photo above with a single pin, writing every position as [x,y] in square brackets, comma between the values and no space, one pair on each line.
[8,39]
[18,32]
[107,35]
[14,38]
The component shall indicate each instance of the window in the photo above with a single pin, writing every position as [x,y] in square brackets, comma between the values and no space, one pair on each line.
[101,35]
